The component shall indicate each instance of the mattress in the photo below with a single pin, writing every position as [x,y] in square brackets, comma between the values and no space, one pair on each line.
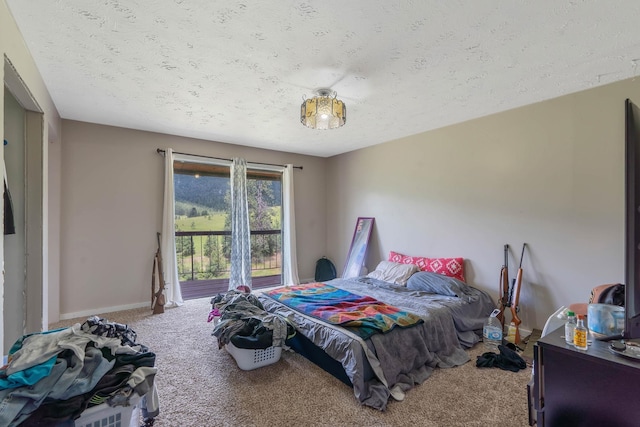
[386,365]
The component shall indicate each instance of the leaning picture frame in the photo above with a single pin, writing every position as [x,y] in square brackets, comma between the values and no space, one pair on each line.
[358,250]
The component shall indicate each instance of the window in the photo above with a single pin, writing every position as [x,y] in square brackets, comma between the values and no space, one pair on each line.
[203,225]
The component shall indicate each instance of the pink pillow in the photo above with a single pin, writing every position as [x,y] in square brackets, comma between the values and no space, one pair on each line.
[452,267]
[402,259]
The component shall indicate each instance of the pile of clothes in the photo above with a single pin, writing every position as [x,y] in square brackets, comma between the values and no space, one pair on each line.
[51,377]
[507,360]
[244,322]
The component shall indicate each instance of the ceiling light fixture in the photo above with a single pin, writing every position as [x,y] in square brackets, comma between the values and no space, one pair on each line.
[323,111]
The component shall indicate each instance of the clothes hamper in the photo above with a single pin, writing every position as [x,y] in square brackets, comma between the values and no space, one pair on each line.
[248,359]
[111,416]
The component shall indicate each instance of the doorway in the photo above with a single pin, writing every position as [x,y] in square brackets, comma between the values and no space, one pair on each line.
[203,228]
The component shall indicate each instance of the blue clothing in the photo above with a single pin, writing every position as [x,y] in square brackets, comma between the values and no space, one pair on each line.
[17,401]
[29,376]
[52,376]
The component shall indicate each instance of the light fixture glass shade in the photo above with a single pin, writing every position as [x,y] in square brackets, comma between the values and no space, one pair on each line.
[323,111]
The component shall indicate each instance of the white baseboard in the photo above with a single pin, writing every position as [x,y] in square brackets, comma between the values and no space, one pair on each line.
[99,311]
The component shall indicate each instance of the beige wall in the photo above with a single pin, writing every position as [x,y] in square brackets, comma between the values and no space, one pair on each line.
[549,174]
[112,185]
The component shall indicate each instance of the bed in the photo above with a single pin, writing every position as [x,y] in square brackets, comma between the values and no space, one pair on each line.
[386,365]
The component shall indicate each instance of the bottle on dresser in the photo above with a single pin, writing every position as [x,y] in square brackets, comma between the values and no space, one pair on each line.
[570,327]
[580,334]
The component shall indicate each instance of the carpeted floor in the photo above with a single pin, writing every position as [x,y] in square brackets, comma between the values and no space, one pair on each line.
[529,343]
[199,385]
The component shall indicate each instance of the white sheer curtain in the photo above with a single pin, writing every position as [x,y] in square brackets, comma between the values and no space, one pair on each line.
[173,293]
[240,274]
[289,258]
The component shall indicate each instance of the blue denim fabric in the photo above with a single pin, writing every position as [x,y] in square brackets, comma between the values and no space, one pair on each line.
[83,376]
[14,400]
[79,361]
[150,404]
[69,377]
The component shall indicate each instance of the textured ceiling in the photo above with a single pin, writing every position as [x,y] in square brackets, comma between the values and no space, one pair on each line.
[237,72]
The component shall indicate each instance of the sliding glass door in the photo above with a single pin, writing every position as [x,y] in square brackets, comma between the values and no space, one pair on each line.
[203,227]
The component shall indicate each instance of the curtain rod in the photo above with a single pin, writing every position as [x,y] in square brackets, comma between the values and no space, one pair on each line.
[161,151]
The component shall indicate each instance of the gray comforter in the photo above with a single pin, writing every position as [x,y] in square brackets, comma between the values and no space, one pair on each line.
[387,365]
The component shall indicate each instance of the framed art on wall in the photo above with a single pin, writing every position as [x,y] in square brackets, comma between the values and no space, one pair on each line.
[358,250]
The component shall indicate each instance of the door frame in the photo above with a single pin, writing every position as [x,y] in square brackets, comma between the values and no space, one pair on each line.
[35,313]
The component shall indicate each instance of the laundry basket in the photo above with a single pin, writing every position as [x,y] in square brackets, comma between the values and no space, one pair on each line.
[111,416]
[248,359]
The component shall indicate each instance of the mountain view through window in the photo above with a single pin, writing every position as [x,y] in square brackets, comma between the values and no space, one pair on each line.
[203,225]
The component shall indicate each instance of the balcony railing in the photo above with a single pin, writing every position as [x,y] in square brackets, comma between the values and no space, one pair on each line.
[204,255]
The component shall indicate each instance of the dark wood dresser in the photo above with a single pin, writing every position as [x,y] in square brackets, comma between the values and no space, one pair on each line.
[583,388]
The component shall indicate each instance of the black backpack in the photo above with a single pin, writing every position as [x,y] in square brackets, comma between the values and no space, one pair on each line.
[614,294]
[325,270]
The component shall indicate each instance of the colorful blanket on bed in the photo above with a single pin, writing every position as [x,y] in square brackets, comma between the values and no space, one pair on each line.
[363,315]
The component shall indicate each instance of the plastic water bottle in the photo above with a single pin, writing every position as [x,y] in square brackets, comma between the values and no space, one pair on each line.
[492,332]
[570,327]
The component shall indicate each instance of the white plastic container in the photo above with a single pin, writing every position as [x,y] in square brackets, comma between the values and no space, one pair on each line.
[605,319]
[492,332]
[111,416]
[248,359]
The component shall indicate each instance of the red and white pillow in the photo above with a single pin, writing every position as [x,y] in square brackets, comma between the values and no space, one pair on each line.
[452,267]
